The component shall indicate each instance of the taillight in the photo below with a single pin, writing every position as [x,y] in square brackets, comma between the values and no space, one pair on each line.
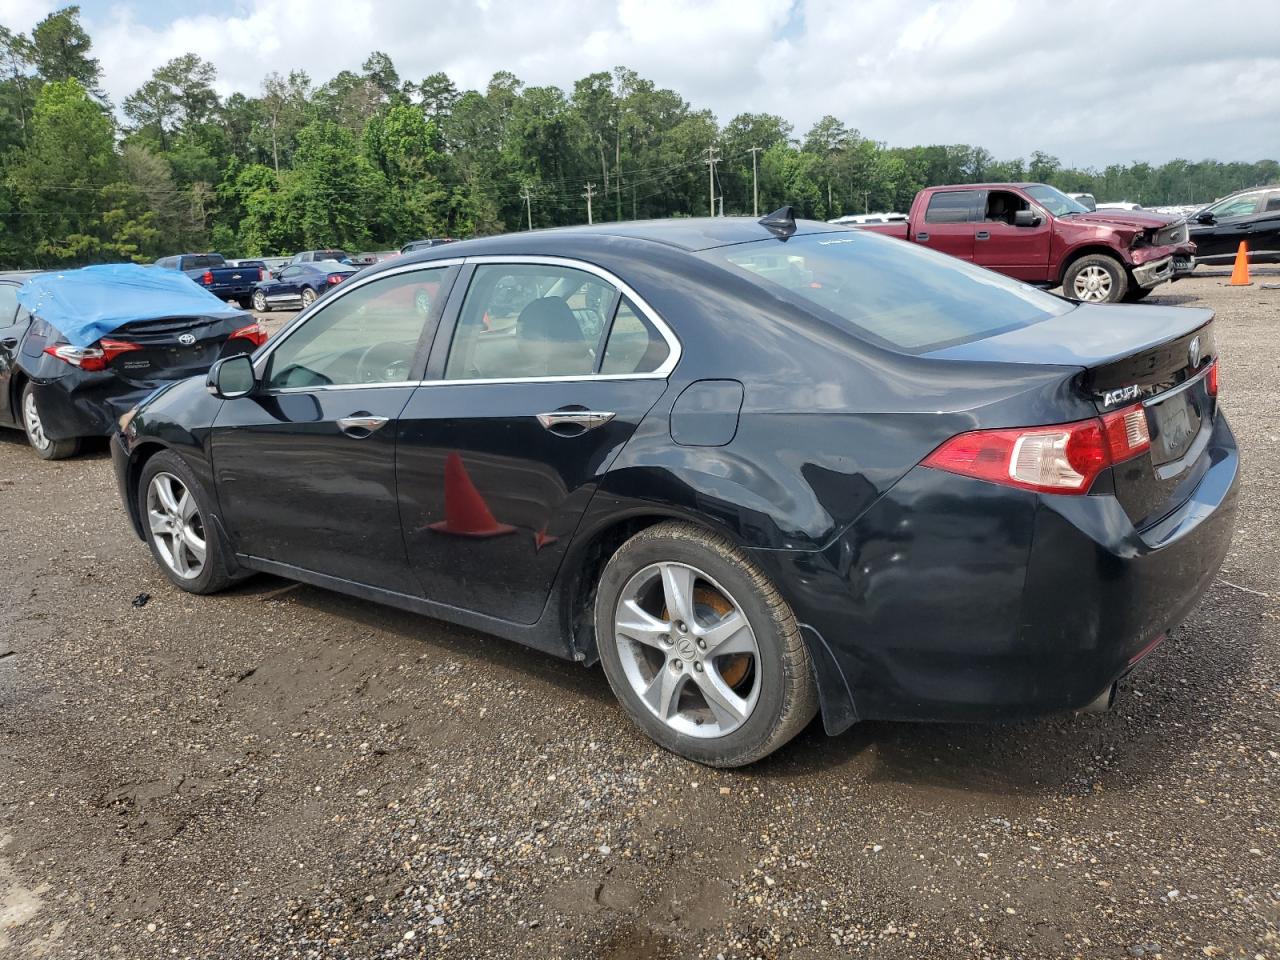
[1127,433]
[1211,379]
[91,358]
[207,279]
[1065,458]
[254,332]
[262,274]
[335,278]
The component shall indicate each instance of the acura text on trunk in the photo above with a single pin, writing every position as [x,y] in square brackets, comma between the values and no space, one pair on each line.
[756,469]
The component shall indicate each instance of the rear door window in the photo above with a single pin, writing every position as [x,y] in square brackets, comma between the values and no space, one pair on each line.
[521,321]
[8,304]
[954,206]
[895,294]
[634,345]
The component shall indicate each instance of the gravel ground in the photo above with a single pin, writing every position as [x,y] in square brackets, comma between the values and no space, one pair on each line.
[283,772]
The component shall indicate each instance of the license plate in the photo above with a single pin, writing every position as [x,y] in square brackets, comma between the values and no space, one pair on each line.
[1176,423]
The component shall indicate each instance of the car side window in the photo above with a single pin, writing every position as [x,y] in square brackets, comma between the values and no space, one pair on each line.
[368,335]
[290,273]
[1236,207]
[952,206]
[1273,203]
[1002,205]
[634,345]
[529,320]
[8,304]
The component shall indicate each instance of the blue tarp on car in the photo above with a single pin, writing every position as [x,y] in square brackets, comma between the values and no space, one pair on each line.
[87,304]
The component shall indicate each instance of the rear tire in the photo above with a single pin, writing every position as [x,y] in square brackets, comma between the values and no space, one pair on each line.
[177,514]
[260,301]
[45,447]
[308,297]
[1096,278]
[667,600]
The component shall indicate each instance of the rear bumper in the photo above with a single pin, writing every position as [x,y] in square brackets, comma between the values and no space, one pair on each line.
[954,599]
[86,404]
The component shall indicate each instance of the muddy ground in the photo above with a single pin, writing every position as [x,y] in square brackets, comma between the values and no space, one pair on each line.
[283,772]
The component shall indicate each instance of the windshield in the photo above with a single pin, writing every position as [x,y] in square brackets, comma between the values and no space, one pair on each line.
[893,293]
[1054,200]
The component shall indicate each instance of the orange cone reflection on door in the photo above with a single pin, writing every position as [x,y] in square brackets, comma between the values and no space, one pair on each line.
[465,512]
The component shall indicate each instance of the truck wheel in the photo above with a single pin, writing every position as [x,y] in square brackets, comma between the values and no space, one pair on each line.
[700,648]
[41,443]
[1096,278]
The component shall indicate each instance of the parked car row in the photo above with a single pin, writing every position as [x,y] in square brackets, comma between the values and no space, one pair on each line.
[758,470]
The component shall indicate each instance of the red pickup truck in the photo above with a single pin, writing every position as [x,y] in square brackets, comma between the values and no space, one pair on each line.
[1036,233]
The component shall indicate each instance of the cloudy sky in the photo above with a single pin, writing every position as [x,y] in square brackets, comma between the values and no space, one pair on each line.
[1091,82]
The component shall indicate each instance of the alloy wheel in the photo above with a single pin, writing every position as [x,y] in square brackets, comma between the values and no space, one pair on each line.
[176,525]
[308,296]
[1093,284]
[31,420]
[687,650]
[260,302]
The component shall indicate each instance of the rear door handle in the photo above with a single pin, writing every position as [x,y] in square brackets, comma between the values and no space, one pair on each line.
[571,423]
[361,425]
[982,235]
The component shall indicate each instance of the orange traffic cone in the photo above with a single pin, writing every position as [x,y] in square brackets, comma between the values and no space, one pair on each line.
[1240,272]
[465,512]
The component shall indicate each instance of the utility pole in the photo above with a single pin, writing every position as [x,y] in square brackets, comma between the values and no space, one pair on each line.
[866,201]
[528,204]
[722,204]
[711,176]
[589,193]
[755,184]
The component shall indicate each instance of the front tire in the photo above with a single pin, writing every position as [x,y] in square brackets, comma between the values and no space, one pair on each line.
[700,648]
[1096,278]
[177,519]
[45,447]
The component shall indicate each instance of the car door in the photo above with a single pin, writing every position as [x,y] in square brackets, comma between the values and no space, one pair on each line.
[287,289]
[13,324]
[1021,252]
[950,222]
[1266,231]
[540,374]
[1233,220]
[305,466]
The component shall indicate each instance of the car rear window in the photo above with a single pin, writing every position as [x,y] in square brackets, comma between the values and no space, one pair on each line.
[203,262]
[893,293]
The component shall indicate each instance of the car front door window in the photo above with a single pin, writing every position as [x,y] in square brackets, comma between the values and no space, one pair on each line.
[368,335]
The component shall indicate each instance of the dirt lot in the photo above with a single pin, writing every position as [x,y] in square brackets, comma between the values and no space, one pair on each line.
[282,772]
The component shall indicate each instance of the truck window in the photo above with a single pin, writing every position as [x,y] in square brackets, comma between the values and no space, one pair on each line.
[203,261]
[1002,205]
[953,206]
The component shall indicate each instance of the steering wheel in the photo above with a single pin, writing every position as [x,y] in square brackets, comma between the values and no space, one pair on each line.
[394,368]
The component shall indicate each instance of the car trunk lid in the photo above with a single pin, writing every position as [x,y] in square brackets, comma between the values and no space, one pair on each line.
[1162,358]
[170,348]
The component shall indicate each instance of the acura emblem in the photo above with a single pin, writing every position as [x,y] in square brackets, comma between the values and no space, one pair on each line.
[187,339]
[1193,352]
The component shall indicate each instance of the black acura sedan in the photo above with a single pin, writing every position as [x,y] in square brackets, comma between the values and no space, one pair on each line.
[756,469]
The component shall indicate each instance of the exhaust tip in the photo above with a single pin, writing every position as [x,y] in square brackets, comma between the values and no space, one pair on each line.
[1104,701]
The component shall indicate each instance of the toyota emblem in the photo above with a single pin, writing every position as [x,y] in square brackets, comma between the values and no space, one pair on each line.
[1193,352]
[187,339]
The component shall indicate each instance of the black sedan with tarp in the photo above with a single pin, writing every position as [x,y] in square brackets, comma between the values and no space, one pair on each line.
[80,347]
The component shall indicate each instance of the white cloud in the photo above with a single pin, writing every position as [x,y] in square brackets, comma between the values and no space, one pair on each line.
[1090,81]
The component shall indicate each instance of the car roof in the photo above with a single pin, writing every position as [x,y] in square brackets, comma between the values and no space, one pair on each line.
[19,276]
[681,233]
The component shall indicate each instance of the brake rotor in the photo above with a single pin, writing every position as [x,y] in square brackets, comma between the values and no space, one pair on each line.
[734,667]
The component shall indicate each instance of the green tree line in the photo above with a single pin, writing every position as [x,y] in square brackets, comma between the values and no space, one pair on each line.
[371,159]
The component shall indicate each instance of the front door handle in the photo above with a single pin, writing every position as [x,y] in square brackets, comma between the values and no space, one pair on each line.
[571,423]
[361,425]
[982,235]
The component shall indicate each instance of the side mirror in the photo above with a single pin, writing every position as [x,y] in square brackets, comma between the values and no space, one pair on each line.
[1026,218]
[1204,216]
[232,377]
